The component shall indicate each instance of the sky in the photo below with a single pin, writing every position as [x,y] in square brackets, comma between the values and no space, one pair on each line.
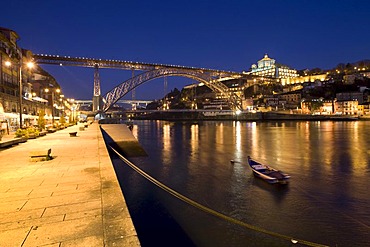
[216,34]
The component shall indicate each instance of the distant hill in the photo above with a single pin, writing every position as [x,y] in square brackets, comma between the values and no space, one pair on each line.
[360,64]
[365,62]
[341,66]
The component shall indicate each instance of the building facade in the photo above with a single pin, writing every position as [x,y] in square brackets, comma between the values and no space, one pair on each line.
[346,107]
[21,91]
[292,97]
[364,109]
[337,107]
[358,96]
[267,67]
[302,79]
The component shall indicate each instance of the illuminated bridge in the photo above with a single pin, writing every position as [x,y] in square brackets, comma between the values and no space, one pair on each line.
[133,103]
[210,77]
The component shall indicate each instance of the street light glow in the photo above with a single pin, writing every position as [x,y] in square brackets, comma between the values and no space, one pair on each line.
[30,65]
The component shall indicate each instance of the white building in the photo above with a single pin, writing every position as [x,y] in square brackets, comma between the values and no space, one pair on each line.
[268,67]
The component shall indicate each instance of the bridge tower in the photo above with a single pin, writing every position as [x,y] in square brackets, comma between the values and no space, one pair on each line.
[165,84]
[97,100]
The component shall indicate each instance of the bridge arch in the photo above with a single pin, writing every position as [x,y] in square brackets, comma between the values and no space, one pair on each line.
[125,87]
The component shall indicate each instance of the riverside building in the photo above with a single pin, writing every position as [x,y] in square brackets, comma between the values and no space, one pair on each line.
[22,88]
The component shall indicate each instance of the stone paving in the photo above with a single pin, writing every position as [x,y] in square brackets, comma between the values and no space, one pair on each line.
[73,199]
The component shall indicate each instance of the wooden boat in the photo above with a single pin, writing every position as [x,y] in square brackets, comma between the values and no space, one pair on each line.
[268,173]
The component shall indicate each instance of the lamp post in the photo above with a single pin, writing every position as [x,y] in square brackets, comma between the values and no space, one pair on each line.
[20,97]
[30,65]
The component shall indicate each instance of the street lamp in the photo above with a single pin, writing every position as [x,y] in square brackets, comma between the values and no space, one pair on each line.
[29,65]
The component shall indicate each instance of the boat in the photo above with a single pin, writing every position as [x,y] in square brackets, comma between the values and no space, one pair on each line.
[268,173]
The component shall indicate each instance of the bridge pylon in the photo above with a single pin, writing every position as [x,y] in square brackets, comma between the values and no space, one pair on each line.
[97,99]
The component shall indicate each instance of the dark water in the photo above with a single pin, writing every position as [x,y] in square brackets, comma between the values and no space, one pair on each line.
[326,202]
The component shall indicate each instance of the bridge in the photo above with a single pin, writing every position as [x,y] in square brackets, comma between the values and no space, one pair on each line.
[133,103]
[210,77]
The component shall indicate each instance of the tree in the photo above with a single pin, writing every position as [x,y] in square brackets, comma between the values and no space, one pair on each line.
[41,121]
[340,67]
[62,119]
[316,105]
[315,71]
[362,64]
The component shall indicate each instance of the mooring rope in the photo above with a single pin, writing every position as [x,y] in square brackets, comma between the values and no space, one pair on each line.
[211,211]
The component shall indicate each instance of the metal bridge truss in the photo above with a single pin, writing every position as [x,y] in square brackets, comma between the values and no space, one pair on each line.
[119,64]
[210,77]
[213,83]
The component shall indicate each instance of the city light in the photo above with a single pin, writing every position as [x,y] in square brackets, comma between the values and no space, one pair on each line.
[29,65]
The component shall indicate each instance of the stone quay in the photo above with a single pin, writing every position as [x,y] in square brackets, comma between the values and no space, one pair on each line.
[72,199]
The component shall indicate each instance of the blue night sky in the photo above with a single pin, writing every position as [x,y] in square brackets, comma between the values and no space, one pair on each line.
[227,35]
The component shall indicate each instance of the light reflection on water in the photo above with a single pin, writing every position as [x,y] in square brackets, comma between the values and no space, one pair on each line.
[326,202]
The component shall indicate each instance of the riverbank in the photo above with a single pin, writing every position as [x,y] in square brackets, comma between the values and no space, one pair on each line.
[173,115]
[73,199]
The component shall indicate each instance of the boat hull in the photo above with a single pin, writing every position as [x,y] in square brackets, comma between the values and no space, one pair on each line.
[266,178]
[267,173]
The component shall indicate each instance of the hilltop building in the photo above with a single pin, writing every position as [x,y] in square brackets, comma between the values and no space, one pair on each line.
[267,67]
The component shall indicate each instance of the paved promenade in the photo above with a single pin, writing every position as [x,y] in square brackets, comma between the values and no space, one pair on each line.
[72,200]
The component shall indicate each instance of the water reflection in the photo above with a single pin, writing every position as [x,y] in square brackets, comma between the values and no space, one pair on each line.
[326,201]
[194,141]
[238,139]
[277,191]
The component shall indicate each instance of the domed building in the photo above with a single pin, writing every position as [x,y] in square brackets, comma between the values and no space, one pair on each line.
[267,67]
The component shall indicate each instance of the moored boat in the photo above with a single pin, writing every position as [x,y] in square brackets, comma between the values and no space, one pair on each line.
[268,173]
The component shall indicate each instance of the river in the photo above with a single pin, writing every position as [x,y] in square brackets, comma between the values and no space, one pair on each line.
[327,200]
